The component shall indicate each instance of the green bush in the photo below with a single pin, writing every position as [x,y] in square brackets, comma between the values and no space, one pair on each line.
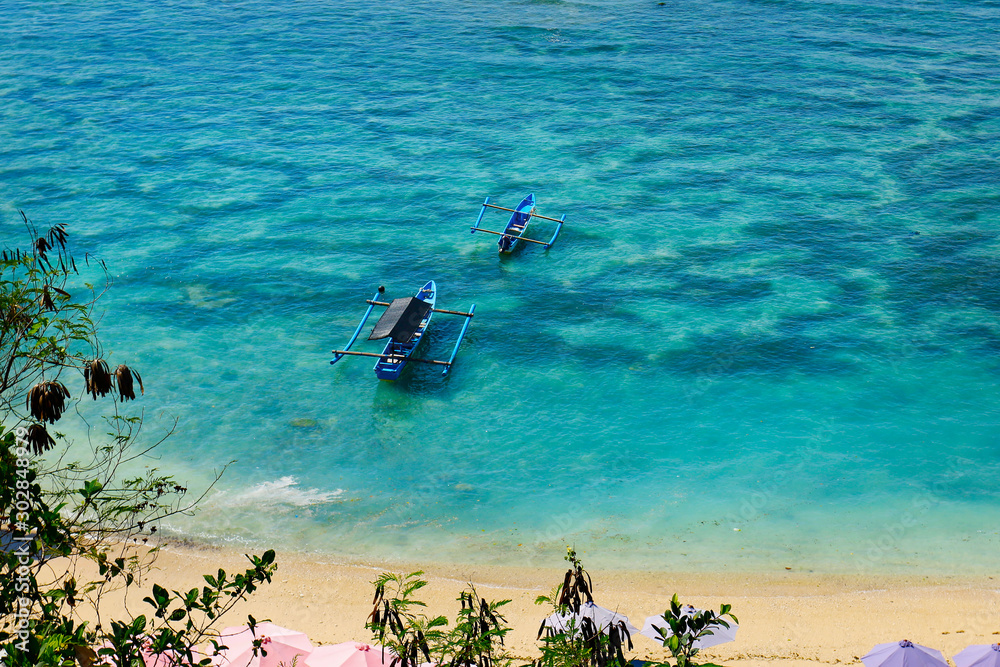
[476,640]
[582,644]
[685,628]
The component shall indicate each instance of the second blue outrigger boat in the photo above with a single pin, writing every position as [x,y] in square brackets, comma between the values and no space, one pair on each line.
[517,224]
[405,324]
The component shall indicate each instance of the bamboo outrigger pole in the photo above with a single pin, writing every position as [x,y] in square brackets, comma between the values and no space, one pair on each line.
[436,310]
[399,357]
[533,215]
[513,236]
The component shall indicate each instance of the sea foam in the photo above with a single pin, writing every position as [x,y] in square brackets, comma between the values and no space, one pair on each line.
[271,495]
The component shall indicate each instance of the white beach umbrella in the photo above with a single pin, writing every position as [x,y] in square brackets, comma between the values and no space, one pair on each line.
[978,655]
[720,634]
[903,654]
[602,618]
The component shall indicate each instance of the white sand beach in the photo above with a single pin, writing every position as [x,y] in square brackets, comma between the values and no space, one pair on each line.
[786,618]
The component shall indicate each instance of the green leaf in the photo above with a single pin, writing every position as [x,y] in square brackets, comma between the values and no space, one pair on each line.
[161,595]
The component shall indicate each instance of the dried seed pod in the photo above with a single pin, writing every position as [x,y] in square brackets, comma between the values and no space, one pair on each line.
[47,303]
[57,235]
[39,439]
[42,246]
[46,401]
[97,378]
[126,390]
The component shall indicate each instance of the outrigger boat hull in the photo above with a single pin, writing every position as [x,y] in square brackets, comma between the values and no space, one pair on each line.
[392,367]
[516,226]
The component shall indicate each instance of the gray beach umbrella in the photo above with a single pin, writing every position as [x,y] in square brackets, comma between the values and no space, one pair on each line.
[978,655]
[720,634]
[602,618]
[903,654]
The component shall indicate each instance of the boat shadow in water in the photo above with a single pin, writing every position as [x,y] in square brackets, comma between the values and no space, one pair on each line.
[398,405]
[513,254]
[414,381]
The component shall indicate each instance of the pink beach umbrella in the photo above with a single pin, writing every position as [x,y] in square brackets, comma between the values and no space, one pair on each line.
[903,654]
[170,658]
[158,659]
[979,655]
[282,646]
[150,659]
[349,654]
[165,659]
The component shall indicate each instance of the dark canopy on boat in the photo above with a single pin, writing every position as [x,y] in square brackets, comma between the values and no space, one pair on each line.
[400,319]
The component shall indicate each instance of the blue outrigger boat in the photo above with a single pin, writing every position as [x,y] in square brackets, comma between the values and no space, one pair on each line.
[405,324]
[516,226]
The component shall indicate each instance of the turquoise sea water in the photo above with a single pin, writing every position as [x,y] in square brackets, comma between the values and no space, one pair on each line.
[768,337]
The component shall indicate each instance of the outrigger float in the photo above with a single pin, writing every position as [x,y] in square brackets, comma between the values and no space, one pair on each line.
[518,223]
[405,324]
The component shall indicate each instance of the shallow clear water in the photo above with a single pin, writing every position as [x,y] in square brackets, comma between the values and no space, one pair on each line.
[768,336]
